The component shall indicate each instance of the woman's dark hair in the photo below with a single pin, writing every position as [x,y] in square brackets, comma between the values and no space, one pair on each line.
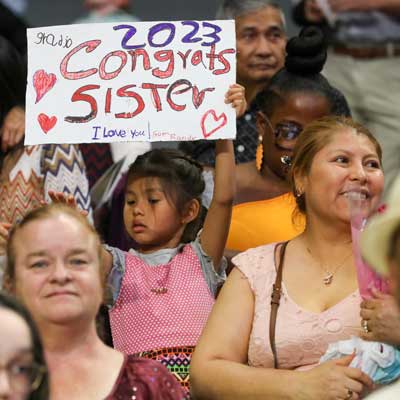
[181,179]
[12,81]
[305,59]
[9,303]
[12,78]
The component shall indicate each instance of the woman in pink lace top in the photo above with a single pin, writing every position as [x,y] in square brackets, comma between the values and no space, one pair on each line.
[320,301]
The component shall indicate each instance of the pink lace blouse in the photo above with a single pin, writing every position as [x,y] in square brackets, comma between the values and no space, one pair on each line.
[301,336]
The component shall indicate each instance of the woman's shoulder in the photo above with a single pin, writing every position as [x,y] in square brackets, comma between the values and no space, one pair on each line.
[255,253]
[257,262]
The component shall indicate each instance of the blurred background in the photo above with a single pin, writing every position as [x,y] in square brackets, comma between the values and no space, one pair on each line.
[59,12]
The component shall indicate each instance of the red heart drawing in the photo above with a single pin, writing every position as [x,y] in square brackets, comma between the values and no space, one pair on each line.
[43,82]
[221,118]
[47,123]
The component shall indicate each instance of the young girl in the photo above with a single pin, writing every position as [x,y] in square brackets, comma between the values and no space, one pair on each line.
[163,292]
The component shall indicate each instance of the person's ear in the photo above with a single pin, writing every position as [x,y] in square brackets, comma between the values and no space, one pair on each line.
[191,211]
[262,125]
[300,183]
[8,285]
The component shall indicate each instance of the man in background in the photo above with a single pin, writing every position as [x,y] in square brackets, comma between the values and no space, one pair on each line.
[260,43]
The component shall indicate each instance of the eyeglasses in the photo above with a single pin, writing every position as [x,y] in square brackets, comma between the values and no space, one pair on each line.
[24,377]
[285,132]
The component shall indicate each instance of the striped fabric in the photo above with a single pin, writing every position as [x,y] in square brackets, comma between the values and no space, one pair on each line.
[98,159]
[37,170]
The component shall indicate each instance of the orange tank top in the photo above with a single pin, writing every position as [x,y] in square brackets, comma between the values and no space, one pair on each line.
[262,222]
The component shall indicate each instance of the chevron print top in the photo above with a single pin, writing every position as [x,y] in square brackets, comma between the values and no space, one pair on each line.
[38,170]
[98,159]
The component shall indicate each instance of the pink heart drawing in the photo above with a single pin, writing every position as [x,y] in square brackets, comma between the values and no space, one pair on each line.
[222,118]
[43,82]
[47,123]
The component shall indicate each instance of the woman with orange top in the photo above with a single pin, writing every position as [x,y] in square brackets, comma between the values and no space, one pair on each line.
[296,95]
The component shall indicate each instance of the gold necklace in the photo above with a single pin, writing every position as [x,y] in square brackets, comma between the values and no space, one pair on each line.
[328,278]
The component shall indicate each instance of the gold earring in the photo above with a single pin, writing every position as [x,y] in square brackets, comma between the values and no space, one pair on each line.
[299,193]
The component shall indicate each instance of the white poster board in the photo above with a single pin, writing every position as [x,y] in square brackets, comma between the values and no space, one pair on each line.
[141,81]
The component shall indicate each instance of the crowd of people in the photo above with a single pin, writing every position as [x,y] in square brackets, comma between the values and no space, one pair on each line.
[238,267]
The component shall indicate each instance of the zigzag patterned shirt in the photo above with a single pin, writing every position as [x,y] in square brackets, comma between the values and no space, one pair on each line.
[39,169]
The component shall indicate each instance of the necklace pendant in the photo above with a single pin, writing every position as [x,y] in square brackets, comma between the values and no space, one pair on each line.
[161,290]
[328,279]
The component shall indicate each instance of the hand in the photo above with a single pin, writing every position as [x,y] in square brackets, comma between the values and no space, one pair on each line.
[335,380]
[312,12]
[235,96]
[4,232]
[13,129]
[63,198]
[382,316]
[353,5]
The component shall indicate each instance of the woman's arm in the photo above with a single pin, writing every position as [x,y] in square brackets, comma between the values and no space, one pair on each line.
[216,224]
[13,129]
[219,370]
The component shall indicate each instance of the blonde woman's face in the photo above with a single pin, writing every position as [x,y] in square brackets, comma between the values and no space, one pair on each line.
[57,271]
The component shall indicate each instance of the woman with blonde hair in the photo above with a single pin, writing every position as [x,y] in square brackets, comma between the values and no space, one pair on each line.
[55,269]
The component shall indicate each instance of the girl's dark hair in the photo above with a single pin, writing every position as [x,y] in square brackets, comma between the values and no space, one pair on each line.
[181,179]
[9,303]
[305,59]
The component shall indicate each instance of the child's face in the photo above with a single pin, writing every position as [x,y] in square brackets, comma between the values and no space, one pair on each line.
[150,218]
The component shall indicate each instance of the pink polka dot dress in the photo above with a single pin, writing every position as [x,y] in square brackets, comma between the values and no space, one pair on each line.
[162,306]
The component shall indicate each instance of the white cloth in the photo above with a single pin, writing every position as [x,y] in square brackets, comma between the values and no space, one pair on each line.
[369,356]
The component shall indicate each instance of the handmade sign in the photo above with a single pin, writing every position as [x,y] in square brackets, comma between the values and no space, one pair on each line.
[141,81]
